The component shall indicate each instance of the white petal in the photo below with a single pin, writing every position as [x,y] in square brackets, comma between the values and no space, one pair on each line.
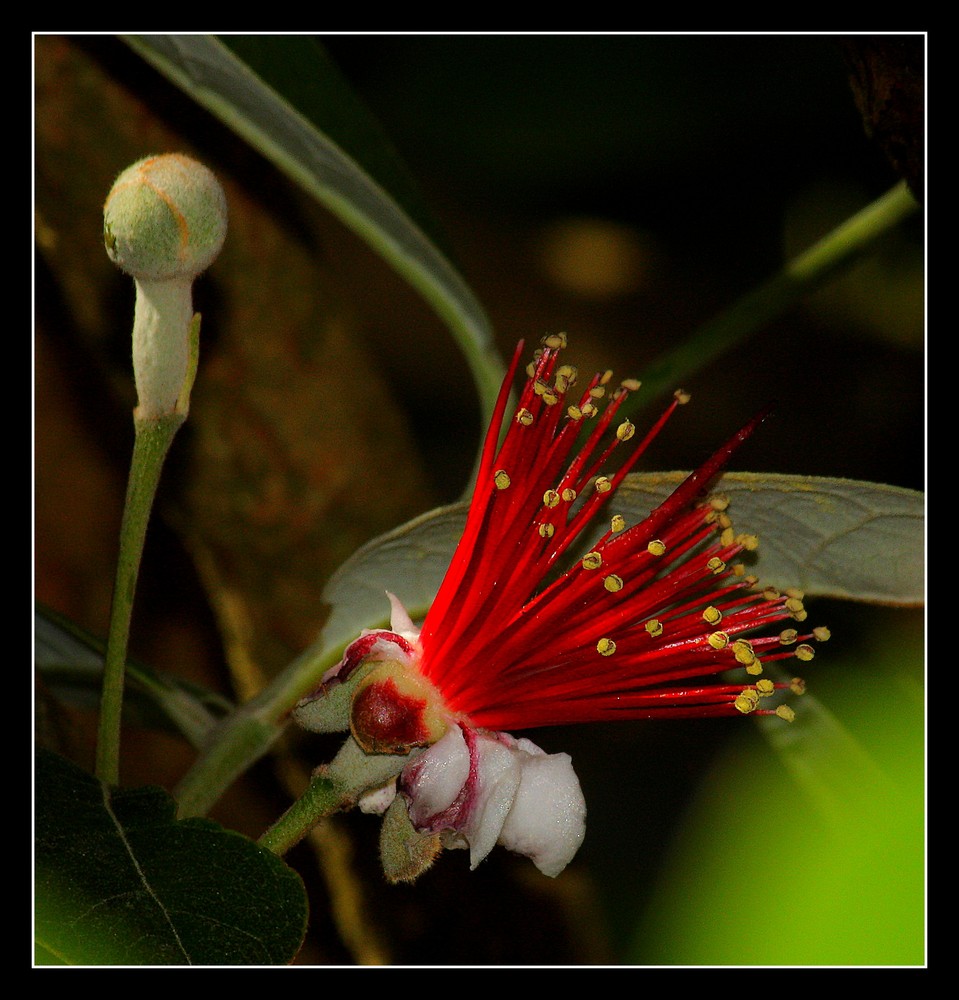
[547,821]
[378,800]
[498,778]
[436,777]
[400,621]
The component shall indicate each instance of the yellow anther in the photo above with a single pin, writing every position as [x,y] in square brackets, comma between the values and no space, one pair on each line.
[797,685]
[794,592]
[750,581]
[597,392]
[550,398]
[788,636]
[551,498]
[603,485]
[613,583]
[656,547]
[654,627]
[589,410]
[718,640]
[502,480]
[539,387]
[765,688]
[786,713]
[795,608]
[724,520]
[743,652]
[712,616]
[592,560]
[625,430]
[606,647]
[727,536]
[556,341]
[749,542]
[821,633]
[755,668]
[606,376]
[574,413]
[747,701]
[617,523]
[568,373]
[524,417]
[739,569]
[771,594]
[719,501]
[546,529]
[715,565]
[568,495]
[805,652]
[631,384]
[530,370]
[682,397]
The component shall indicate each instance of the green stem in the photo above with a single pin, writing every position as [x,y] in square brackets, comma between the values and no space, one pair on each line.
[336,786]
[322,798]
[797,279]
[244,736]
[152,441]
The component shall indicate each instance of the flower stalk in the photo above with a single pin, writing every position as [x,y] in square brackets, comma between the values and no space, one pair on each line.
[164,222]
[151,444]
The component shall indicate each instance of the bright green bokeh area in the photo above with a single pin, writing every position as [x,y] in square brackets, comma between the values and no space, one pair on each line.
[815,855]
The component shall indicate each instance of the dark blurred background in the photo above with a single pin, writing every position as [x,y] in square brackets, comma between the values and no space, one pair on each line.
[621,188]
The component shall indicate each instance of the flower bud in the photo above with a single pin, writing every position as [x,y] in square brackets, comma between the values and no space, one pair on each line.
[165,218]
[164,223]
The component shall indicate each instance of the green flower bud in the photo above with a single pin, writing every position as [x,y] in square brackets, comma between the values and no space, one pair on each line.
[165,218]
[164,222]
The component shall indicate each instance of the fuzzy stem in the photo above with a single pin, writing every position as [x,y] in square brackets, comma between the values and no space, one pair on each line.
[152,441]
[333,787]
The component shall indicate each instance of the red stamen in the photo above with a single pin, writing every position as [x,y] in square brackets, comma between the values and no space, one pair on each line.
[652,607]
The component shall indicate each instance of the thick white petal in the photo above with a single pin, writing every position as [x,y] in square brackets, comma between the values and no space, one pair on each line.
[547,821]
[436,777]
[498,778]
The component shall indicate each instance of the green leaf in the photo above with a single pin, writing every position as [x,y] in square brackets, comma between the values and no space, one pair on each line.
[830,537]
[70,661]
[299,70]
[120,882]
[206,69]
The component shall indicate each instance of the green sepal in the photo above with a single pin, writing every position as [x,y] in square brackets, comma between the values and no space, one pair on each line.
[404,851]
[328,709]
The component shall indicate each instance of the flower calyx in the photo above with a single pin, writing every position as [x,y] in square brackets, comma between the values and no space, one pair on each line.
[395,709]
